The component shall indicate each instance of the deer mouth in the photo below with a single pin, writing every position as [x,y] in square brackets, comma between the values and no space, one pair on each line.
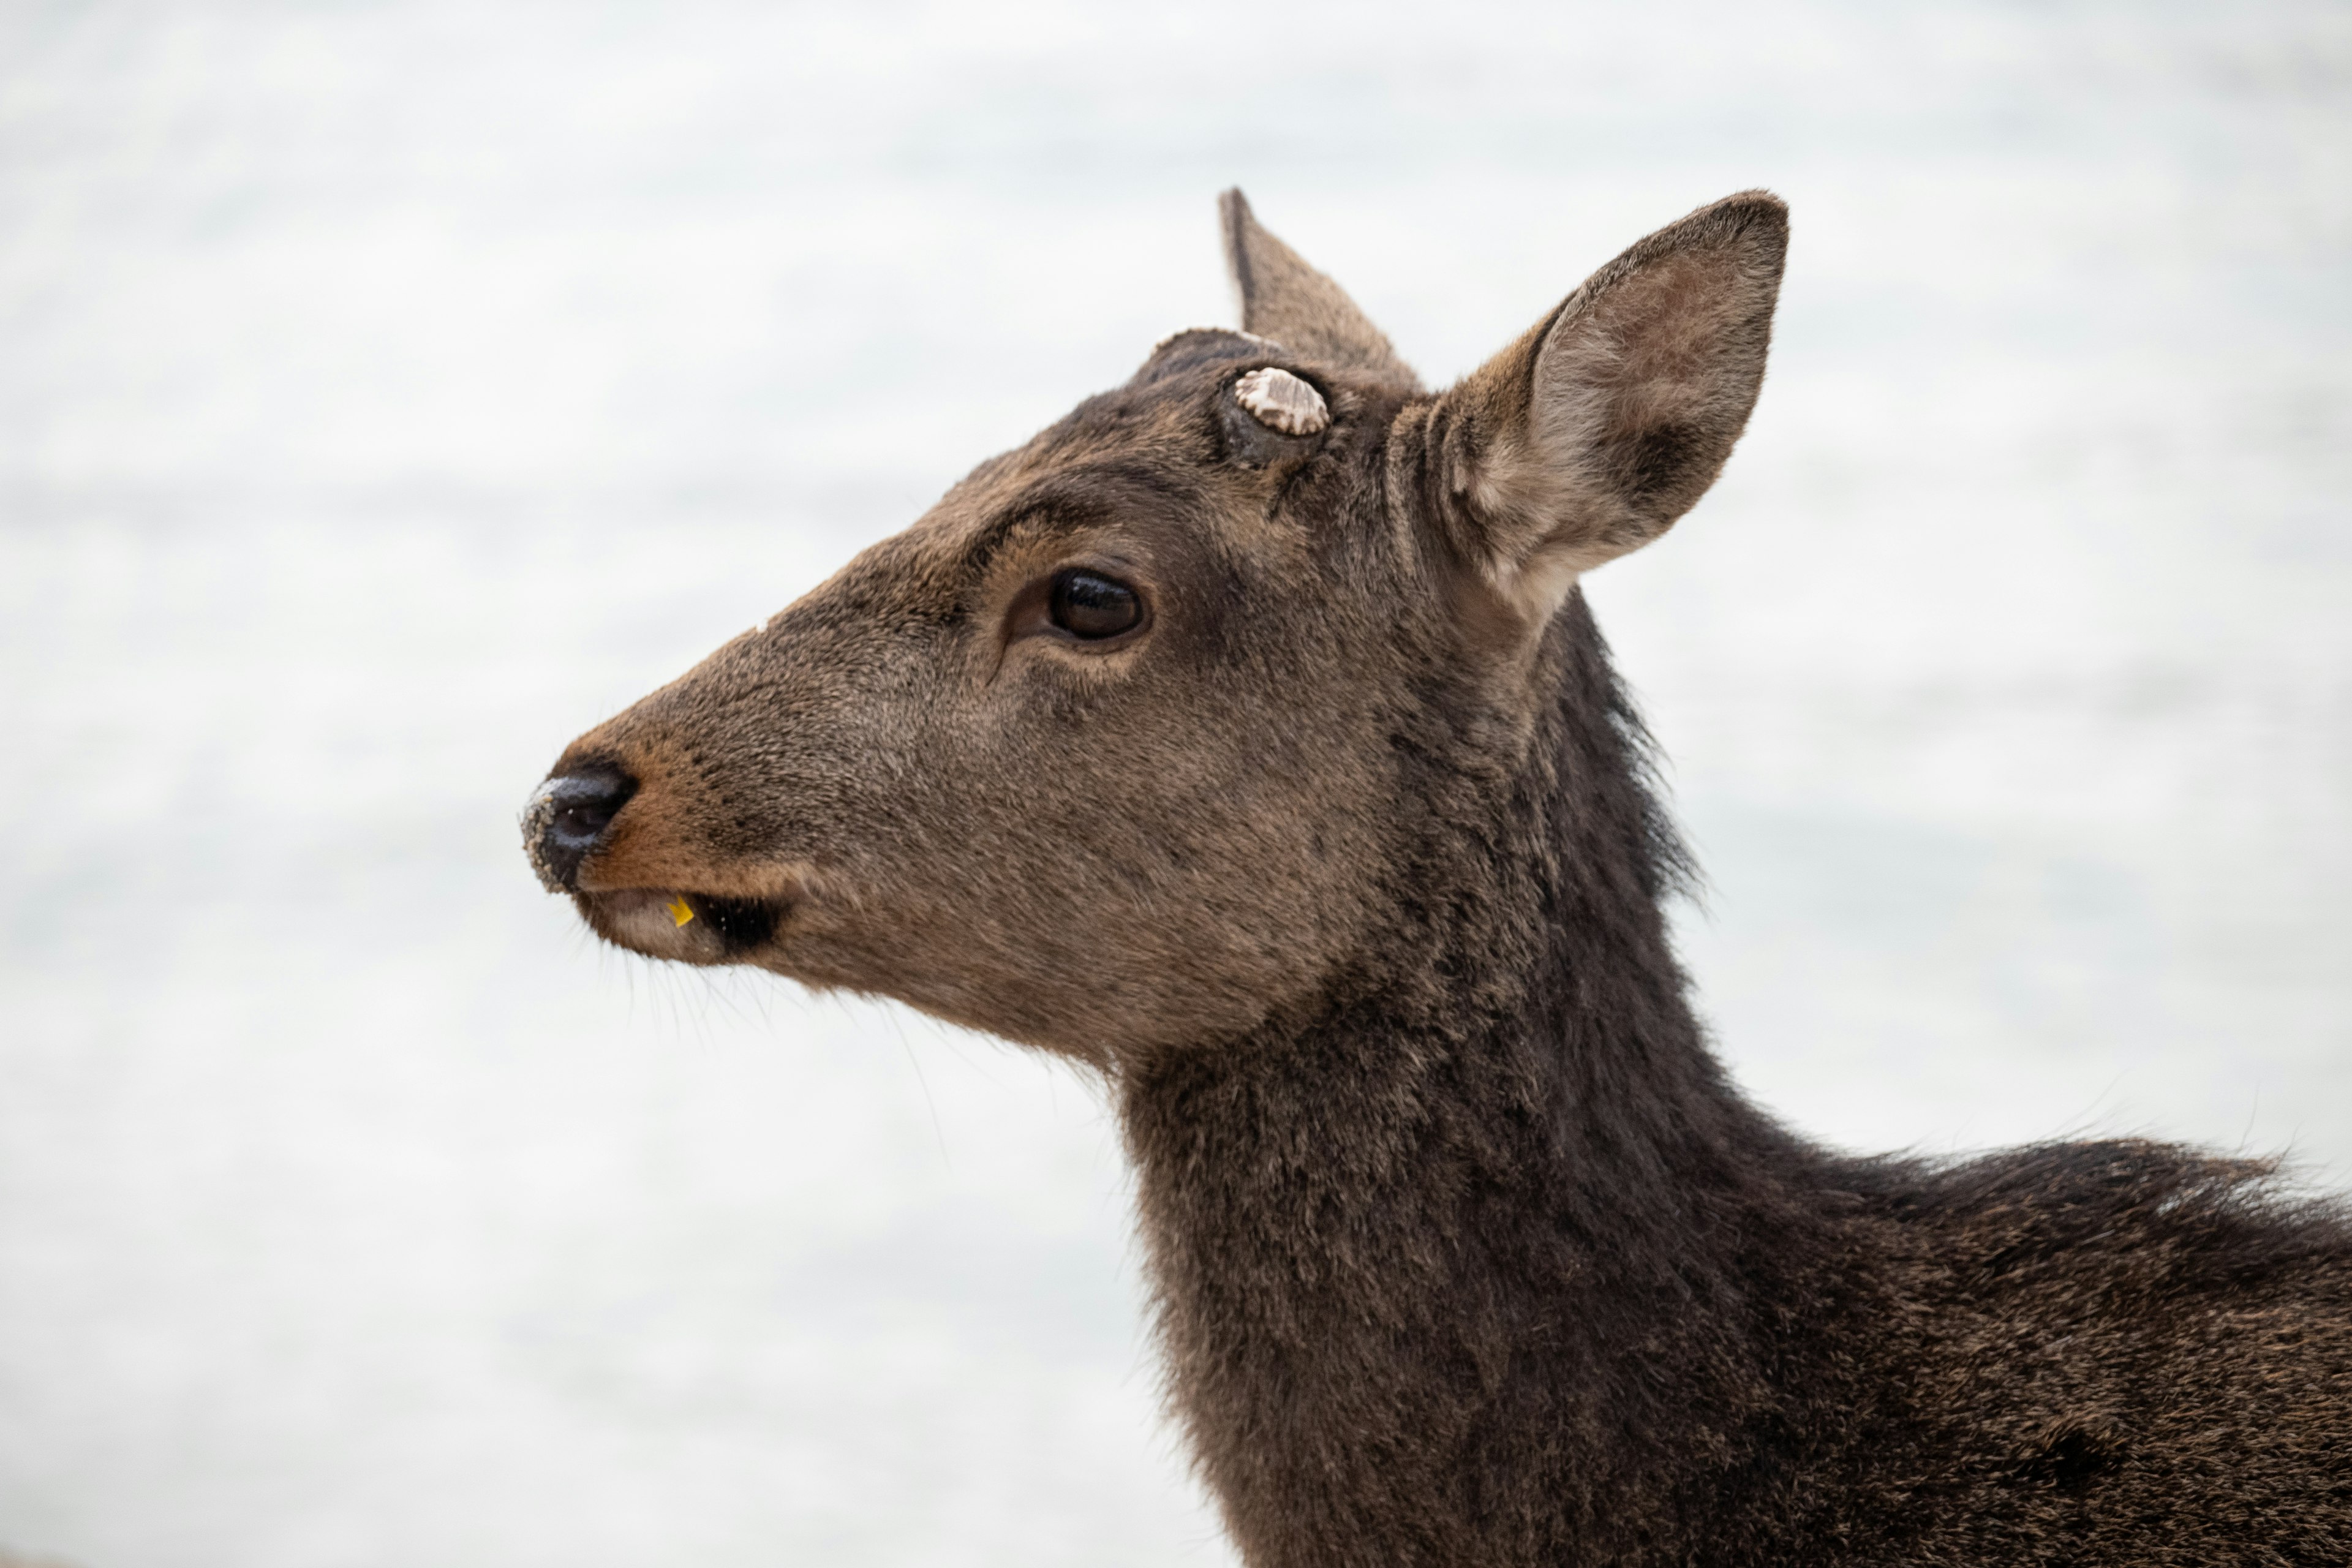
[692,927]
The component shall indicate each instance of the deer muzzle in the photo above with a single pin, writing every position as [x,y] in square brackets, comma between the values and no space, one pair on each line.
[566,818]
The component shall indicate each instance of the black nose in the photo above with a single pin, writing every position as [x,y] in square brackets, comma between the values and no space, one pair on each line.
[566,818]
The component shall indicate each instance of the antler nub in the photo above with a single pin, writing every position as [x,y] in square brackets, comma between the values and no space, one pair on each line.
[1281,401]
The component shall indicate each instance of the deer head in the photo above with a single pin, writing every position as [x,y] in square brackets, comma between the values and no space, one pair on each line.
[1107,752]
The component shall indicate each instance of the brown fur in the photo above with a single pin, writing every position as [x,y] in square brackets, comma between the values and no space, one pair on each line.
[1342,867]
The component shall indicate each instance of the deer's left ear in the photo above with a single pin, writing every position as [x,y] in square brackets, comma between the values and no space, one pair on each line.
[1284,298]
[1589,436]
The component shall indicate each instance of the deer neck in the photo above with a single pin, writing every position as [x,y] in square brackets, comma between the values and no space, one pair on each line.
[1500,1197]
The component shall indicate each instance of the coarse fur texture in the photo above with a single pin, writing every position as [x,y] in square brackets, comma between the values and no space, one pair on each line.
[1324,830]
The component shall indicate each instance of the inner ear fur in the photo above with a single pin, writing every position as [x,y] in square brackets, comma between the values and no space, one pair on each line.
[1609,419]
[1284,298]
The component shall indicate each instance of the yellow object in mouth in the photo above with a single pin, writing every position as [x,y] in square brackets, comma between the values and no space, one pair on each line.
[680,911]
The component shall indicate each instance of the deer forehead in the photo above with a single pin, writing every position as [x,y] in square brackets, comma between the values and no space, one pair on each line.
[1146,470]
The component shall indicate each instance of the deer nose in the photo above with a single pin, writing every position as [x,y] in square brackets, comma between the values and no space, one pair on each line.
[567,816]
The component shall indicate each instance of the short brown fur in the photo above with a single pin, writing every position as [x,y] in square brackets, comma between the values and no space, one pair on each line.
[1343,867]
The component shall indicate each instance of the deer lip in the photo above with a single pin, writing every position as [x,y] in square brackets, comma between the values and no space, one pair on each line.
[695,928]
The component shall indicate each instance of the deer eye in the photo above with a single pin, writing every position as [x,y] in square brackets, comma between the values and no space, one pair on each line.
[1088,604]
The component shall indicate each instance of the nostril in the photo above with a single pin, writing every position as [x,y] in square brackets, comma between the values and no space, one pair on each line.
[581,820]
[566,818]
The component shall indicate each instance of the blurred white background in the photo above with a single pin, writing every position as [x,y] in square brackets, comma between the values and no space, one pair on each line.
[388,392]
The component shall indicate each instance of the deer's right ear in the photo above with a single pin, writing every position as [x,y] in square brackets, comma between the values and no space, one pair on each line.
[1589,436]
[1284,298]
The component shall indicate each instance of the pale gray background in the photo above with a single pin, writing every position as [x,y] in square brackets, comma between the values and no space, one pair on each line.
[386,393]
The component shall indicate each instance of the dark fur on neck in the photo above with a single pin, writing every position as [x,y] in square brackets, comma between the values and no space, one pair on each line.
[1487,1262]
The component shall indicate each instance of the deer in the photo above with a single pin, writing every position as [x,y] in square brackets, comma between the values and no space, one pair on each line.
[1246,740]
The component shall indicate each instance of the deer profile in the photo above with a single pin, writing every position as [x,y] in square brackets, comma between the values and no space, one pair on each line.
[1245,737]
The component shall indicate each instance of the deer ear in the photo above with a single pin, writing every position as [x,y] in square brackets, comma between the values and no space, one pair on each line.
[1286,299]
[1589,436]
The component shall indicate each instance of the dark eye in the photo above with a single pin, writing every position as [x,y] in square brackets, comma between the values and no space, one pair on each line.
[1087,605]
